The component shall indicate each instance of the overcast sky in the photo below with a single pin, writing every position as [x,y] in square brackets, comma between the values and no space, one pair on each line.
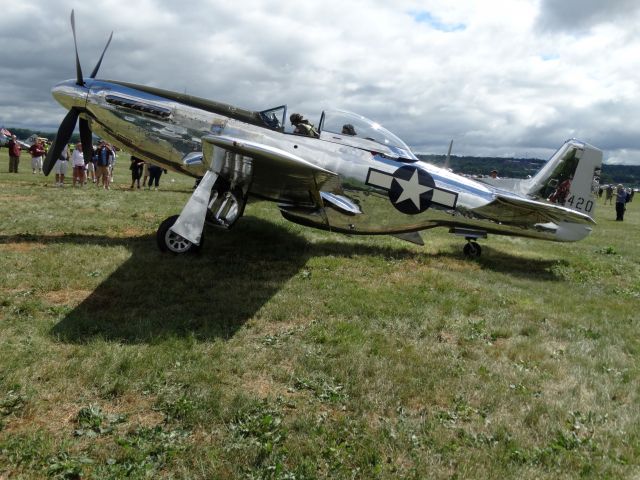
[500,78]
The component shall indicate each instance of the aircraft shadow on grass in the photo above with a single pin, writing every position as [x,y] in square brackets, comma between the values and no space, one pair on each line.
[211,295]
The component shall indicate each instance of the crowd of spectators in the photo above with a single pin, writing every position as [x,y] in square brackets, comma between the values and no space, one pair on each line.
[96,168]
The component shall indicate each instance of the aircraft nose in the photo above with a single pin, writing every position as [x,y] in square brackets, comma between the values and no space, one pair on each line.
[69,94]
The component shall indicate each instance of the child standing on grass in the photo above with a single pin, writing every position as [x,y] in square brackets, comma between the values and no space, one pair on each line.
[136,170]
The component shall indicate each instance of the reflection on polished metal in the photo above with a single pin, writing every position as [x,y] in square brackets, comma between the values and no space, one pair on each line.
[190,223]
[356,178]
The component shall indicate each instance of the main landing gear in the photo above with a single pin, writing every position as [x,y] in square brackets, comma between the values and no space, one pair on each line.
[169,241]
[214,202]
[472,249]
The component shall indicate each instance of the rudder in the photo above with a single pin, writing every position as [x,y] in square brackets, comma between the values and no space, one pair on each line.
[571,177]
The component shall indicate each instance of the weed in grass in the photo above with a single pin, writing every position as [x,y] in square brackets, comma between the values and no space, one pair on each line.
[259,435]
[143,452]
[24,452]
[64,465]
[325,390]
[92,421]
[10,404]
[609,250]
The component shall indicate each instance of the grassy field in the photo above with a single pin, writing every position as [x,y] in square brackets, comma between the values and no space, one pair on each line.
[285,352]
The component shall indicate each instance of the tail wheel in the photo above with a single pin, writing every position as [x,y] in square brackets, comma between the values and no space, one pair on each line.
[472,250]
[169,241]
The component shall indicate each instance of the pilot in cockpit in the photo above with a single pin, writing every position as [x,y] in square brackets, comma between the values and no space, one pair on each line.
[303,126]
[348,129]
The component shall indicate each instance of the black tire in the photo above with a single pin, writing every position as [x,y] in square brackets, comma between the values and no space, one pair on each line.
[169,241]
[472,250]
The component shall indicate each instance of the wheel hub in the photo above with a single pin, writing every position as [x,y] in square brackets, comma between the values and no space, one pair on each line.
[176,243]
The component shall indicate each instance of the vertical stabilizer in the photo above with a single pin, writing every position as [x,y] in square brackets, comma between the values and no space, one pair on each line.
[571,178]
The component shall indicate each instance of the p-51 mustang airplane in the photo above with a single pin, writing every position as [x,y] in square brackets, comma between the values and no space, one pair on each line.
[355,177]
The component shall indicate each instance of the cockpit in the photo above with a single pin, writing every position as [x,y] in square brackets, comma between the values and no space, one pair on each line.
[347,128]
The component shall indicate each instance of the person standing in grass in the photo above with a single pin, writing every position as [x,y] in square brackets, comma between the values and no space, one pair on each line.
[77,160]
[608,195]
[112,162]
[621,201]
[155,172]
[14,154]
[103,160]
[136,170]
[145,174]
[37,153]
[60,168]
[89,166]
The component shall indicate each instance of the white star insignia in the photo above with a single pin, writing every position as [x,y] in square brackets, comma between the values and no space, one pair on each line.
[412,189]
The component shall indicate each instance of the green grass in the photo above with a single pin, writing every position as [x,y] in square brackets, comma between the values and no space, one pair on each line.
[285,352]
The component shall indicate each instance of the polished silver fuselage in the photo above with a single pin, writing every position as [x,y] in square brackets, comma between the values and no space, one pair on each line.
[167,128]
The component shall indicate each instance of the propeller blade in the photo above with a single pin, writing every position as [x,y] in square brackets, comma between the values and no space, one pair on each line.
[95,70]
[65,131]
[79,79]
[86,138]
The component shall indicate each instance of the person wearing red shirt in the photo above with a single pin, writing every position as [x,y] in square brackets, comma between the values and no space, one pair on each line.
[14,154]
[37,153]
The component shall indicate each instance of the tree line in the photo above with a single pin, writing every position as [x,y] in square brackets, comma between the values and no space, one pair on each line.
[523,167]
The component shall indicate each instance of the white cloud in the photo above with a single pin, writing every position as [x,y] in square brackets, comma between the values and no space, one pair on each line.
[500,78]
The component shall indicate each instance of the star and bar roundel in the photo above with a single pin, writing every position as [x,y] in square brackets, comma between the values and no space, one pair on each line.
[411,189]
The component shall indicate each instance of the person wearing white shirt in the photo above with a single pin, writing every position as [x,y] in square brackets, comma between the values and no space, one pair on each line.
[61,166]
[77,160]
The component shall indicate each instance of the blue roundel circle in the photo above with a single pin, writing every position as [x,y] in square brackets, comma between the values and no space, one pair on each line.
[411,190]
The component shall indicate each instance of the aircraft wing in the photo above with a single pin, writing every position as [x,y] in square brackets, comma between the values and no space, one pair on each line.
[274,173]
[513,209]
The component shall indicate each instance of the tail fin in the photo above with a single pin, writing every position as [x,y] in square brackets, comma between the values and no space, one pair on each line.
[570,178]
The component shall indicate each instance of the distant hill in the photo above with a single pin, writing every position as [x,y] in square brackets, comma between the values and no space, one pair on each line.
[628,175]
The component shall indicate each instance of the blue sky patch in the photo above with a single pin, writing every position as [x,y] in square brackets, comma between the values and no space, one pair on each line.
[549,56]
[428,19]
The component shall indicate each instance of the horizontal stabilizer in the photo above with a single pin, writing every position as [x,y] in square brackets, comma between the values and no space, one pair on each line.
[514,210]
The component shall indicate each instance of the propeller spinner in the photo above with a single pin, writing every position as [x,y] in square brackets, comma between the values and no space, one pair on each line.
[68,124]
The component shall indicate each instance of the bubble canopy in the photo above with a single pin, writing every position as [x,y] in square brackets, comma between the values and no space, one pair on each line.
[349,124]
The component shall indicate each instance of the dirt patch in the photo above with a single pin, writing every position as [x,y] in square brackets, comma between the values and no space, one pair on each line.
[66,297]
[138,409]
[20,247]
[133,232]
[58,416]
[261,386]
[446,337]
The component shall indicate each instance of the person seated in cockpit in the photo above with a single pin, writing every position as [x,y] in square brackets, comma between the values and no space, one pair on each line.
[348,129]
[303,126]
